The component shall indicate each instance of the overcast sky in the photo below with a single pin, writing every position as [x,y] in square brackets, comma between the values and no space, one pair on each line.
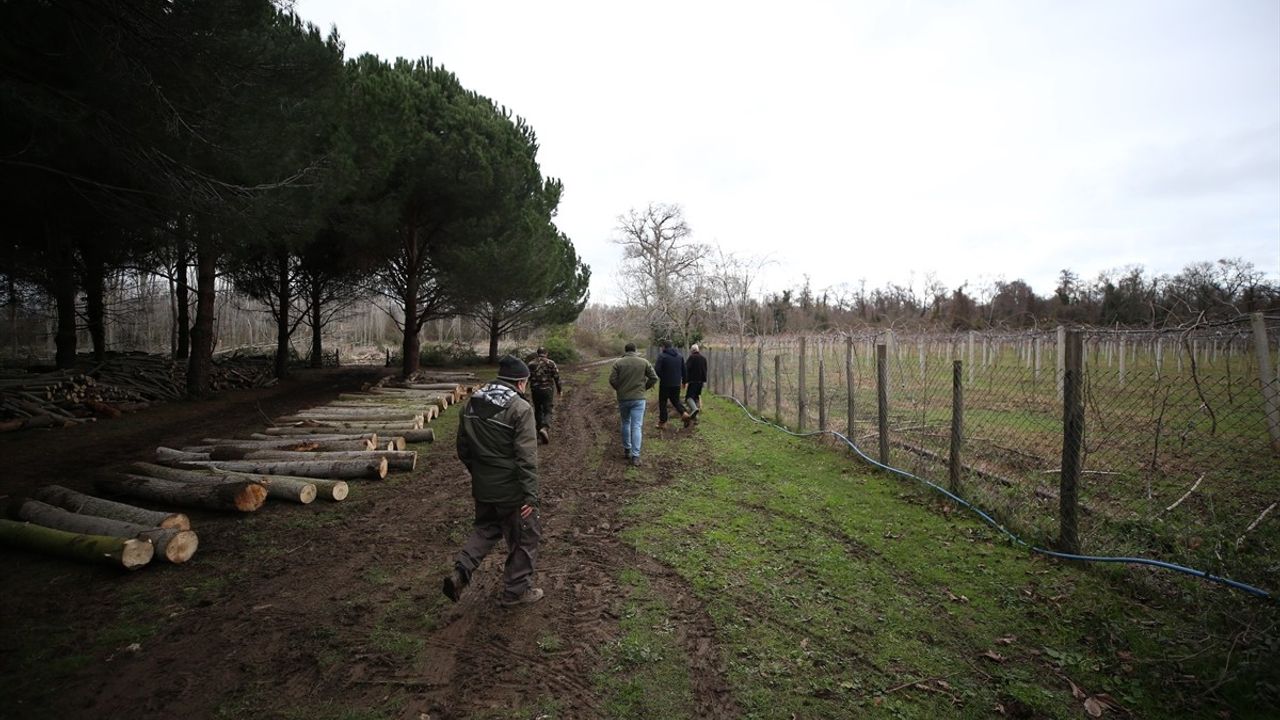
[882,141]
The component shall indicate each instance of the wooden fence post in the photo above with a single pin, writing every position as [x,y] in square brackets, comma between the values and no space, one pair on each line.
[957,426]
[822,394]
[746,384]
[1061,351]
[848,383]
[760,379]
[1270,393]
[1072,441]
[777,387]
[969,359]
[733,380]
[882,400]
[800,424]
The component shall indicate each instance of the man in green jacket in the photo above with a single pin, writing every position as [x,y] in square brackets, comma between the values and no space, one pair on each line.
[630,377]
[497,441]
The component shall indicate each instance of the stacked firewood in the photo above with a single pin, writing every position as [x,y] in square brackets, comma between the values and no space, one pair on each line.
[124,382]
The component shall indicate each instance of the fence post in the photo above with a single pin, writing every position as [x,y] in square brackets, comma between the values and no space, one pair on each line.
[777,387]
[759,379]
[972,333]
[1120,340]
[882,400]
[848,382]
[746,385]
[733,379]
[1270,399]
[1062,349]
[800,424]
[1072,441]
[957,425]
[822,394]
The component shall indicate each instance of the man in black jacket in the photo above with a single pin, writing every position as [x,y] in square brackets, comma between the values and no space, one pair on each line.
[695,377]
[498,444]
[670,368]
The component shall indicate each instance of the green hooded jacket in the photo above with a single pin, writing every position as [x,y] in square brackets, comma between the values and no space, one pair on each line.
[498,443]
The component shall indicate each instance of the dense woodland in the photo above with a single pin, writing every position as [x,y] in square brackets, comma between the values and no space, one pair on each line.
[209,145]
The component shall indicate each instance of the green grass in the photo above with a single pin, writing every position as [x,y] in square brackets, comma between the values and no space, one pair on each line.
[646,672]
[833,589]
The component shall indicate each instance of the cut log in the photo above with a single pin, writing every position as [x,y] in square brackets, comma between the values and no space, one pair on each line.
[90,505]
[128,553]
[325,489]
[356,425]
[317,436]
[373,469]
[169,456]
[280,487]
[395,443]
[395,460]
[176,546]
[238,496]
[300,444]
[404,419]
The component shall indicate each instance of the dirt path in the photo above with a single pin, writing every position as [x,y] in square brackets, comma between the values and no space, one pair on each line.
[318,610]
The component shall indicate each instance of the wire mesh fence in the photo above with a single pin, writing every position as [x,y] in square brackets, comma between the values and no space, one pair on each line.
[1178,458]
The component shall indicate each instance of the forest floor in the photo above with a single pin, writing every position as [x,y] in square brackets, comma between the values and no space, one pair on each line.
[737,573]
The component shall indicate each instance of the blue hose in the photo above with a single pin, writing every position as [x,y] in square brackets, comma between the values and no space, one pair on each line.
[991,521]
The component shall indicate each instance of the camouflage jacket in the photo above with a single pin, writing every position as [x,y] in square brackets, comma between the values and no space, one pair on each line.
[543,373]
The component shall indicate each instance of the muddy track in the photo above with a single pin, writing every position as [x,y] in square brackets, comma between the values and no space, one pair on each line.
[339,605]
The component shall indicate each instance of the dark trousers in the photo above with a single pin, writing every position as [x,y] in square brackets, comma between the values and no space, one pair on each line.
[544,400]
[693,395]
[521,534]
[668,394]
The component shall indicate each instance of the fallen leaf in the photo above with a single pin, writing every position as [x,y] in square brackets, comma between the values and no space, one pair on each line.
[944,684]
[993,655]
[999,709]
[1076,692]
[1093,707]
[1006,640]
[1124,655]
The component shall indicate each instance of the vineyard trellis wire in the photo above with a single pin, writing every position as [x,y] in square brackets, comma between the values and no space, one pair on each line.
[1179,454]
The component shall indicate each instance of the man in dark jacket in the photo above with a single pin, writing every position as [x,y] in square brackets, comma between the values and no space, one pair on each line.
[695,371]
[498,444]
[671,373]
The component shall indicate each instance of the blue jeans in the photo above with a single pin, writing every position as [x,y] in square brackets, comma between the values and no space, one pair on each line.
[632,412]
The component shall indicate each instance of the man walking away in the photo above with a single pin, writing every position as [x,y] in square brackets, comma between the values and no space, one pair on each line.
[497,443]
[671,373]
[630,377]
[695,376]
[544,378]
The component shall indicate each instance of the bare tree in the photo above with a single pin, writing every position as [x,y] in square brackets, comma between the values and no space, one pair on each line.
[661,267]
[731,282]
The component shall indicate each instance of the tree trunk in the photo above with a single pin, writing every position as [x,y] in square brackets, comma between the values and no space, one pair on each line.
[200,365]
[372,438]
[284,298]
[172,544]
[94,289]
[89,505]
[373,468]
[238,496]
[184,302]
[63,285]
[127,553]
[493,340]
[281,487]
[317,357]
[408,419]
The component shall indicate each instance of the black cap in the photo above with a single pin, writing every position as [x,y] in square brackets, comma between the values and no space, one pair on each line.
[542,351]
[512,368]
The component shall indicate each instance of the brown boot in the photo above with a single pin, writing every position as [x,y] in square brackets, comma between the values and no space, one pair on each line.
[686,418]
[662,425]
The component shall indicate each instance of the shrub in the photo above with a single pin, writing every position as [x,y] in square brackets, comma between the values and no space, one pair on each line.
[455,353]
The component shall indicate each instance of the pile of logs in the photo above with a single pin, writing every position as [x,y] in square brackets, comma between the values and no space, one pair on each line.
[63,522]
[312,454]
[124,382]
